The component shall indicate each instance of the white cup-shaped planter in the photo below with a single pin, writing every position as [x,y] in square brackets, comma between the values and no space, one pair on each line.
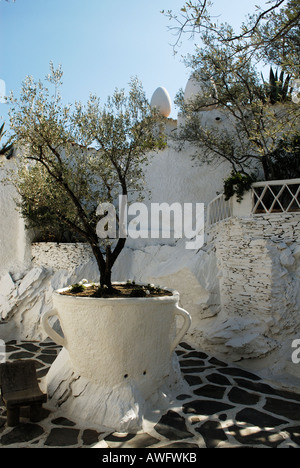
[117,340]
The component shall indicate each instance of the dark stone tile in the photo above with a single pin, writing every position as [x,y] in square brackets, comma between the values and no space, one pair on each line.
[173,426]
[62,437]
[45,344]
[196,354]
[30,347]
[186,346]
[261,437]
[90,437]
[294,432]
[193,380]
[42,372]
[258,418]
[210,391]
[21,355]
[217,362]
[11,348]
[195,370]
[266,389]
[49,351]
[183,397]
[222,417]
[131,441]
[218,379]
[287,409]
[63,422]
[288,395]
[212,433]
[239,373]
[240,396]
[26,341]
[47,358]
[205,407]
[180,445]
[22,433]
[191,363]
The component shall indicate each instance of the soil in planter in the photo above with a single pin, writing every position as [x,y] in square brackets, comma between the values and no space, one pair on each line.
[119,290]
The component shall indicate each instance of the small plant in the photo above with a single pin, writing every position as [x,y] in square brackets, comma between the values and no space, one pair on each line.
[237,184]
[278,88]
[77,288]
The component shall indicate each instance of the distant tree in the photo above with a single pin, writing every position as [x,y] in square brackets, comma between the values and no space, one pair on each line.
[226,66]
[271,34]
[278,88]
[256,126]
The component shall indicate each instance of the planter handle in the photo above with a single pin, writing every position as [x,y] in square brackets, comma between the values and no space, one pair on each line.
[49,330]
[186,325]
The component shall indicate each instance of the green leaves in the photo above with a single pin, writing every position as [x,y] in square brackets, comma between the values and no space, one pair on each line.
[76,157]
[6,148]
[237,184]
[277,90]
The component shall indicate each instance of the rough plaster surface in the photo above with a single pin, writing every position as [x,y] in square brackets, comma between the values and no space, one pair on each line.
[122,406]
[14,239]
[241,289]
[118,360]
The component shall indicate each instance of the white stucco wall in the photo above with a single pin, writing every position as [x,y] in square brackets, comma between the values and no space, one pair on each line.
[241,288]
[14,239]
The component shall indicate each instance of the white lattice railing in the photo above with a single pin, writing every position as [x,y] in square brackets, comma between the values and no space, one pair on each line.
[218,210]
[276,196]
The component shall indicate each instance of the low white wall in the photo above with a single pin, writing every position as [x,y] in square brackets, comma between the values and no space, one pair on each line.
[242,288]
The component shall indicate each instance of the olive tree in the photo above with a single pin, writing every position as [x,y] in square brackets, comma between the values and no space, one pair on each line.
[75,157]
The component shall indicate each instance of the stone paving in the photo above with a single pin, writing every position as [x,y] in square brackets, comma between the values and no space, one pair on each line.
[225,407]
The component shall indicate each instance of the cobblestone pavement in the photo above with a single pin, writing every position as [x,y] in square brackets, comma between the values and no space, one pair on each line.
[224,407]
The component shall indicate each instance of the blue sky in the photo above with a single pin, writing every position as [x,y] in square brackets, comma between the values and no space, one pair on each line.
[99,43]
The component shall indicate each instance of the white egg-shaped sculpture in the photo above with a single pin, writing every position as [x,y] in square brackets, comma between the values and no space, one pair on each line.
[162,101]
[195,87]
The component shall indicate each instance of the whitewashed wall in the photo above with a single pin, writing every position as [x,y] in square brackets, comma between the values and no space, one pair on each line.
[14,239]
[242,288]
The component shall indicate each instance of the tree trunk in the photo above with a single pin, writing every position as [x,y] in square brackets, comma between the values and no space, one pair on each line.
[105,279]
[267,167]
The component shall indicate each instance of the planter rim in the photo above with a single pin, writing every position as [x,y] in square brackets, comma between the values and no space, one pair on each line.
[174,297]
